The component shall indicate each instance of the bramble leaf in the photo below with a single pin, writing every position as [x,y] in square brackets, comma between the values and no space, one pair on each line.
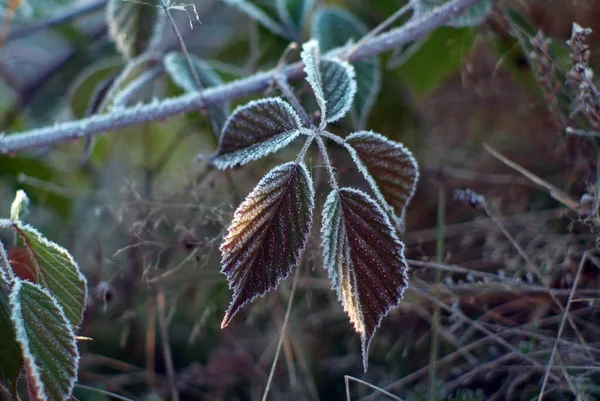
[334,27]
[256,129]
[11,360]
[46,339]
[293,13]
[56,270]
[255,13]
[339,87]
[177,68]
[332,82]
[472,16]
[268,233]
[389,167]
[364,259]
[134,26]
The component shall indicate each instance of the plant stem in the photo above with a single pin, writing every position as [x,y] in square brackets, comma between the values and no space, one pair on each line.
[243,87]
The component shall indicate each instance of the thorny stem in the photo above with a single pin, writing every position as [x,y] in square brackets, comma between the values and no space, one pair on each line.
[327,161]
[94,125]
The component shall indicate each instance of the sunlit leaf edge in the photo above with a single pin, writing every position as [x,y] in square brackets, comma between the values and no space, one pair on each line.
[238,216]
[335,196]
[397,217]
[23,340]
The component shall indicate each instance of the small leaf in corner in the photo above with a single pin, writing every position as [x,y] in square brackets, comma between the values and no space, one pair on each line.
[46,339]
[268,234]
[255,130]
[364,259]
[389,167]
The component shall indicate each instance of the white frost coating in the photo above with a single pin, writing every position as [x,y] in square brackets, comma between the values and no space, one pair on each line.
[371,181]
[312,60]
[61,251]
[19,205]
[6,272]
[21,336]
[258,15]
[259,149]
[347,84]
[472,16]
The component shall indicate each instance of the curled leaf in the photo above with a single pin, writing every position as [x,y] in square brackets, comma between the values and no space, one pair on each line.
[389,167]
[255,130]
[364,259]
[267,235]
[46,339]
[335,27]
[311,58]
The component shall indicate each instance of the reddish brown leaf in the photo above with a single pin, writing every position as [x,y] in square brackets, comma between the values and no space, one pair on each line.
[364,258]
[267,235]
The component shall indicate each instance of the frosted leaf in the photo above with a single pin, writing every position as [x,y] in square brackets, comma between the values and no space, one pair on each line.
[390,169]
[267,235]
[46,339]
[179,71]
[11,360]
[257,14]
[56,270]
[255,130]
[311,58]
[364,259]
[335,27]
[293,14]
[339,87]
[6,272]
[19,205]
[135,26]
[472,16]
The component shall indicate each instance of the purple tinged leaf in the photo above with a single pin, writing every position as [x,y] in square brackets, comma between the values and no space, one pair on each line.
[364,259]
[255,130]
[268,234]
[390,169]
[339,87]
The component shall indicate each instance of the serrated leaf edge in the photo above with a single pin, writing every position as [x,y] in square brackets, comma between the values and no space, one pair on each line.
[6,272]
[352,77]
[398,219]
[311,58]
[365,343]
[23,340]
[311,197]
[59,249]
[224,162]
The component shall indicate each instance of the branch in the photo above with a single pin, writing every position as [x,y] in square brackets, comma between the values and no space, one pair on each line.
[161,110]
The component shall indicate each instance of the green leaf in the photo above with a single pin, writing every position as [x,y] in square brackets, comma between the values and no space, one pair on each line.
[293,14]
[135,26]
[46,339]
[11,360]
[472,16]
[311,57]
[57,271]
[335,27]
[441,55]
[179,71]
[339,87]
[260,16]
[390,169]
[268,234]
[364,259]
[255,130]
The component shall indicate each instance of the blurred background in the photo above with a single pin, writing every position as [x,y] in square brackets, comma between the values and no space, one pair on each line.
[144,219]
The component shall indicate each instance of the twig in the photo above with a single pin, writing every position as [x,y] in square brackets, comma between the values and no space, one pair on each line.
[243,87]
[347,379]
[164,332]
[562,326]
[282,335]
